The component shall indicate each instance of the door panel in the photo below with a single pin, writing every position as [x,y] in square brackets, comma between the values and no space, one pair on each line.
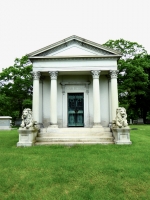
[75,109]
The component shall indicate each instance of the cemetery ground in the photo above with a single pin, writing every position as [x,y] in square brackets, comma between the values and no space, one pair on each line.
[80,172]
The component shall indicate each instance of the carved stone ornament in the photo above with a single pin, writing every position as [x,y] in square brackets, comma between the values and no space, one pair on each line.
[121,118]
[95,74]
[114,74]
[27,120]
[53,75]
[36,75]
[120,128]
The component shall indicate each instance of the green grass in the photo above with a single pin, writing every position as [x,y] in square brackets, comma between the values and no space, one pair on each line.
[89,172]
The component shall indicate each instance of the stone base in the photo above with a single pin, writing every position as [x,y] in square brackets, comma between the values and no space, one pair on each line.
[7,128]
[25,144]
[27,137]
[97,125]
[121,135]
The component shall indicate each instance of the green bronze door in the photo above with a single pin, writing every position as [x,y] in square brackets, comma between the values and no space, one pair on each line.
[75,109]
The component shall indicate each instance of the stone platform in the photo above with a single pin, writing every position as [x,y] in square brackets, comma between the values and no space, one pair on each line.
[70,136]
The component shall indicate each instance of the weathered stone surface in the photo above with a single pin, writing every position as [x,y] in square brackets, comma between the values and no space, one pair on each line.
[5,122]
[27,137]
[28,130]
[120,128]
[27,120]
[121,135]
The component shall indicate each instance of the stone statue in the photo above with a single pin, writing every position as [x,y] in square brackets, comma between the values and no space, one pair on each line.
[121,118]
[27,120]
[120,128]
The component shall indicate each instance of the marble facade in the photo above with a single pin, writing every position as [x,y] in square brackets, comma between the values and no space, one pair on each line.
[71,68]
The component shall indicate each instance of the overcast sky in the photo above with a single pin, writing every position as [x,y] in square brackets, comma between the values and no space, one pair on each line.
[28,25]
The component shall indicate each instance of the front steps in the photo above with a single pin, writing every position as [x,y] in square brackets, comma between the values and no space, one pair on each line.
[71,136]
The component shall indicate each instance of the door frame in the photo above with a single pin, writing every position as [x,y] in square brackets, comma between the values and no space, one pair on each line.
[72,87]
[68,108]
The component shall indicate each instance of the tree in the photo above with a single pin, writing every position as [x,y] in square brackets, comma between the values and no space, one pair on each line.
[16,89]
[133,77]
[128,49]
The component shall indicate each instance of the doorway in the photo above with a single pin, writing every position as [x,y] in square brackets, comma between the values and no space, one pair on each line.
[75,109]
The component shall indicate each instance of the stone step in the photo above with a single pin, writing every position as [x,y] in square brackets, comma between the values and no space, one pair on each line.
[86,131]
[73,143]
[77,135]
[74,139]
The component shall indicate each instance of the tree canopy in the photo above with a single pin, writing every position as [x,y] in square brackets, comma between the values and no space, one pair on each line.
[133,77]
[16,88]
[128,49]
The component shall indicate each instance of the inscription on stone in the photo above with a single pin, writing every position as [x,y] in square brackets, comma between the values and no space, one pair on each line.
[24,137]
[123,137]
[75,87]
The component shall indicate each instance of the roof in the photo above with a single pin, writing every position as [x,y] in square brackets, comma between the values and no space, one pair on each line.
[48,50]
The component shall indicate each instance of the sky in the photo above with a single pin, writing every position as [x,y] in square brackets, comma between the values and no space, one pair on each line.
[28,25]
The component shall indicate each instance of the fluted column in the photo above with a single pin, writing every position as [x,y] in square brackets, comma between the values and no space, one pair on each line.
[114,93]
[35,103]
[96,98]
[53,98]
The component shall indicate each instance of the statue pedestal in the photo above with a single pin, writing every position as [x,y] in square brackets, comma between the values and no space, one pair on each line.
[27,136]
[121,135]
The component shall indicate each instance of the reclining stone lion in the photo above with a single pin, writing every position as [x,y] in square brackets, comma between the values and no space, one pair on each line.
[27,120]
[121,118]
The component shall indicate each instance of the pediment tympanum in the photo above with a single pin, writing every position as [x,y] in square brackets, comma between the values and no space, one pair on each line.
[74,46]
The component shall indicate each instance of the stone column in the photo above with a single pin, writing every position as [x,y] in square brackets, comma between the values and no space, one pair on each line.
[53,99]
[96,99]
[114,93]
[35,103]
[109,99]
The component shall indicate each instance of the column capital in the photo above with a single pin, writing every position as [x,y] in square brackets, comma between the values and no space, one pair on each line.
[95,74]
[114,73]
[53,75]
[36,75]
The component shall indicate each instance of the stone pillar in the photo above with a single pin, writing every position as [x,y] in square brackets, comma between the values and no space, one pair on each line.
[35,103]
[96,99]
[53,99]
[114,93]
[109,100]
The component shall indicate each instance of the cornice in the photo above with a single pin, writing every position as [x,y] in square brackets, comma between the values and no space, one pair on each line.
[90,57]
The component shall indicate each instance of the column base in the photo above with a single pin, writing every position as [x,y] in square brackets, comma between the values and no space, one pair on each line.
[97,125]
[53,126]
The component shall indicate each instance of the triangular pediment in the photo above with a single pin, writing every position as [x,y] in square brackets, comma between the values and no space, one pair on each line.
[73,46]
[73,50]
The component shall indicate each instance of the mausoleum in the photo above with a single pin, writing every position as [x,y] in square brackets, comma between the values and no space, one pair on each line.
[74,87]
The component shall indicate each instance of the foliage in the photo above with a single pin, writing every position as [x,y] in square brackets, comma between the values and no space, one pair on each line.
[133,77]
[128,49]
[16,89]
[76,172]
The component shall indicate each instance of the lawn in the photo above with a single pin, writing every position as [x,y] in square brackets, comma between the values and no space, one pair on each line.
[80,172]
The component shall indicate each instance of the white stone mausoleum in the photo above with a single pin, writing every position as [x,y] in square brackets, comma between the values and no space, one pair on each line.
[74,89]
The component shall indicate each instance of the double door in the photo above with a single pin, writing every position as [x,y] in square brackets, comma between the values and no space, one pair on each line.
[75,109]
